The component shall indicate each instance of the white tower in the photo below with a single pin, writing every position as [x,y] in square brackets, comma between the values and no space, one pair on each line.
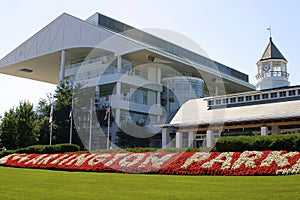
[271,68]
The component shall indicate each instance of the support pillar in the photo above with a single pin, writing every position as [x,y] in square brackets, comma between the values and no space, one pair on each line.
[119,63]
[62,65]
[164,137]
[158,75]
[209,138]
[117,118]
[263,130]
[275,130]
[178,139]
[191,138]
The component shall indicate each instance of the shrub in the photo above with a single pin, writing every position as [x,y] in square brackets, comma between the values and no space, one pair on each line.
[57,148]
[290,142]
[6,153]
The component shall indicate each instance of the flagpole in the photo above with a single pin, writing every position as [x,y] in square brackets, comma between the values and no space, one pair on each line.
[51,133]
[108,141]
[71,122]
[50,120]
[90,139]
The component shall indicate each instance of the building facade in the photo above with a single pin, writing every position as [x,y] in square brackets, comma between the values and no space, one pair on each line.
[142,79]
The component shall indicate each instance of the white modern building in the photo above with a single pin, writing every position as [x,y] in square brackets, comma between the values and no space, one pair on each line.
[143,78]
[272,109]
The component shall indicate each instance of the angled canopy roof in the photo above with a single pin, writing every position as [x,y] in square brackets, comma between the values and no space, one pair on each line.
[39,57]
[272,52]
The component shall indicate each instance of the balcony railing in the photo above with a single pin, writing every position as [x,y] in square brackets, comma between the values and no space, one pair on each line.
[272,74]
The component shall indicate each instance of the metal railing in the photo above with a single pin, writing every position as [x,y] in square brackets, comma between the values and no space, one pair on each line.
[272,74]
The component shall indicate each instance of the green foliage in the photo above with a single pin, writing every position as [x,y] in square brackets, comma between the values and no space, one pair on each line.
[49,184]
[19,127]
[149,149]
[42,112]
[58,148]
[40,149]
[290,142]
[8,130]
[6,153]
[63,101]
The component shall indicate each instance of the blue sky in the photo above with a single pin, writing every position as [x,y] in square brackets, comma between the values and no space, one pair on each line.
[232,32]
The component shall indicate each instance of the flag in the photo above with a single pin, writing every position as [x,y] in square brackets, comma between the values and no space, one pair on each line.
[51,113]
[70,115]
[107,113]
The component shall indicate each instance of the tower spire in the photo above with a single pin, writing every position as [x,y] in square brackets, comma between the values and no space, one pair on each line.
[270,30]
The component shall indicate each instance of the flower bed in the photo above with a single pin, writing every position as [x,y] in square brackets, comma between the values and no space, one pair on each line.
[186,163]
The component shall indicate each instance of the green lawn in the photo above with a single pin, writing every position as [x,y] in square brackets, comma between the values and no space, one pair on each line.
[46,184]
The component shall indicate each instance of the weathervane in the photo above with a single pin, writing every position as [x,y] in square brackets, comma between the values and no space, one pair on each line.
[270,31]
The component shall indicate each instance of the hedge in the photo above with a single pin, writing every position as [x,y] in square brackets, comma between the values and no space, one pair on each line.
[41,149]
[289,142]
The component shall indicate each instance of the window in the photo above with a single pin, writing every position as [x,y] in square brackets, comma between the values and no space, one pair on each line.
[274,95]
[282,93]
[225,101]
[265,96]
[257,97]
[140,96]
[218,101]
[292,93]
[211,103]
[248,98]
[232,100]
[240,99]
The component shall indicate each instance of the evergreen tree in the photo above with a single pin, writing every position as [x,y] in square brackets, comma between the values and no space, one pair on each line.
[8,130]
[42,112]
[27,125]
[19,127]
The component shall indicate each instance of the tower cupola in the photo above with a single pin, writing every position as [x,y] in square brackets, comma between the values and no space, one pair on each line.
[272,69]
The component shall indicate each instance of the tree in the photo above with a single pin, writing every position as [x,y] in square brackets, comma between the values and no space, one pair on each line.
[42,112]
[27,125]
[63,100]
[8,132]
[63,104]
[19,127]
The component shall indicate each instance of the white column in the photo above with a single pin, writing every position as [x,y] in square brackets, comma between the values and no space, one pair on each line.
[191,138]
[118,90]
[119,63]
[263,130]
[118,113]
[178,139]
[164,137]
[209,138]
[158,76]
[62,65]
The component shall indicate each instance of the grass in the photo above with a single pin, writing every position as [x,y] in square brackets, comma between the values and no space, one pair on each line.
[46,184]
